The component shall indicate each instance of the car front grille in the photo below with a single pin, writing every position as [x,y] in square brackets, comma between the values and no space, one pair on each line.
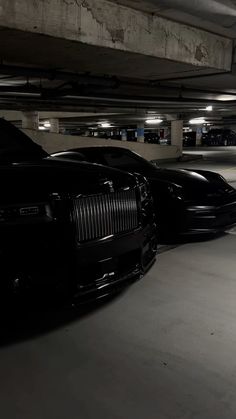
[99,216]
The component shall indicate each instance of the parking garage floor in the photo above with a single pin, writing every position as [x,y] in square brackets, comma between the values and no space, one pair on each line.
[163,349]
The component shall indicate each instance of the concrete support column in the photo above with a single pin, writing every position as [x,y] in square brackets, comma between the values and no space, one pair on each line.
[54,125]
[30,120]
[123,135]
[198,136]
[140,133]
[177,134]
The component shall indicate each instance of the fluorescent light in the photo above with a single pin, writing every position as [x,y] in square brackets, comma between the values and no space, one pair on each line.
[197,121]
[226,98]
[154,121]
[105,125]
[209,108]
[47,124]
[42,128]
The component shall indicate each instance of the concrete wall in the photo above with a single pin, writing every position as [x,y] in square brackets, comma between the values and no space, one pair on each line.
[57,142]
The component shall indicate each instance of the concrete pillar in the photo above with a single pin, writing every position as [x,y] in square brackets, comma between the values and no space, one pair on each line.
[198,136]
[54,125]
[177,134]
[123,135]
[140,132]
[30,120]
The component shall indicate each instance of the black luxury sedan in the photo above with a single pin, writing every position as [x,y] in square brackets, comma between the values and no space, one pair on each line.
[69,228]
[187,201]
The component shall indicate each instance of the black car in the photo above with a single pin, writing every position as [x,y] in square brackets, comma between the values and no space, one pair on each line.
[186,201]
[219,137]
[189,139]
[69,228]
[151,138]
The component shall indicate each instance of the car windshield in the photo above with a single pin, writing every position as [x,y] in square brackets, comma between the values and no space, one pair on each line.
[125,159]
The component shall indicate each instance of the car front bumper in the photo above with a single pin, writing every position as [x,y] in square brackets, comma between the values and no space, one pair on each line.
[209,219]
[44,263]
[108,264]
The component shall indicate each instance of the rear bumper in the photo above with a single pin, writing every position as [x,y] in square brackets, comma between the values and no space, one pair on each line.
[209,219]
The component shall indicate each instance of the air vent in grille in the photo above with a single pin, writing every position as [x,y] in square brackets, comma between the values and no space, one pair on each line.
[98,216]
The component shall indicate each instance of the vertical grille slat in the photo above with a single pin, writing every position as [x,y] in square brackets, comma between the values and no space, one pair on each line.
[98,216]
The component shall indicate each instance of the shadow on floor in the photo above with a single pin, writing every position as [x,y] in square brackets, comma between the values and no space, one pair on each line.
[179,240]
[21,321]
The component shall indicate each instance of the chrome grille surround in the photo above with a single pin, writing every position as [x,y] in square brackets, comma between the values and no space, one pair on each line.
[103,215]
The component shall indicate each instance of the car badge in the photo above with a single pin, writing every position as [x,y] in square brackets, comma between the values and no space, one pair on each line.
[29,211]
[109,184]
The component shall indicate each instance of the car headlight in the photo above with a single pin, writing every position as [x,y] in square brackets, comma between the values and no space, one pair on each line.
[144,191]
[143,185]
[223,178]
[176,191]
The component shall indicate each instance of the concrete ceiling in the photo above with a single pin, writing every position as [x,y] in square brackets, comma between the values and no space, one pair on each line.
[97,97]
[212,15]
[52,74]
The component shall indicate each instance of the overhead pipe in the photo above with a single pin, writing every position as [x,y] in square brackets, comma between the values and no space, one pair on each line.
[69,95]
[80,91]
[84,79]
[189,77]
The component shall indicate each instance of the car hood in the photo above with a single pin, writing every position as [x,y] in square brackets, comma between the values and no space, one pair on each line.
[26,166]
[198,185]
[181,177]
[40,178]
[195,184]
[189,177]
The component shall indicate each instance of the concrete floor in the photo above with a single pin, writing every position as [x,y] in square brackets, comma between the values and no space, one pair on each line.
[164,349]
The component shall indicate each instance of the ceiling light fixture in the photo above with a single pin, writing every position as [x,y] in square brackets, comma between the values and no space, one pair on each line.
[197,121]
[105,125]
[47,124]
[209,108]
[154,121]
[42,128]
[226,98]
